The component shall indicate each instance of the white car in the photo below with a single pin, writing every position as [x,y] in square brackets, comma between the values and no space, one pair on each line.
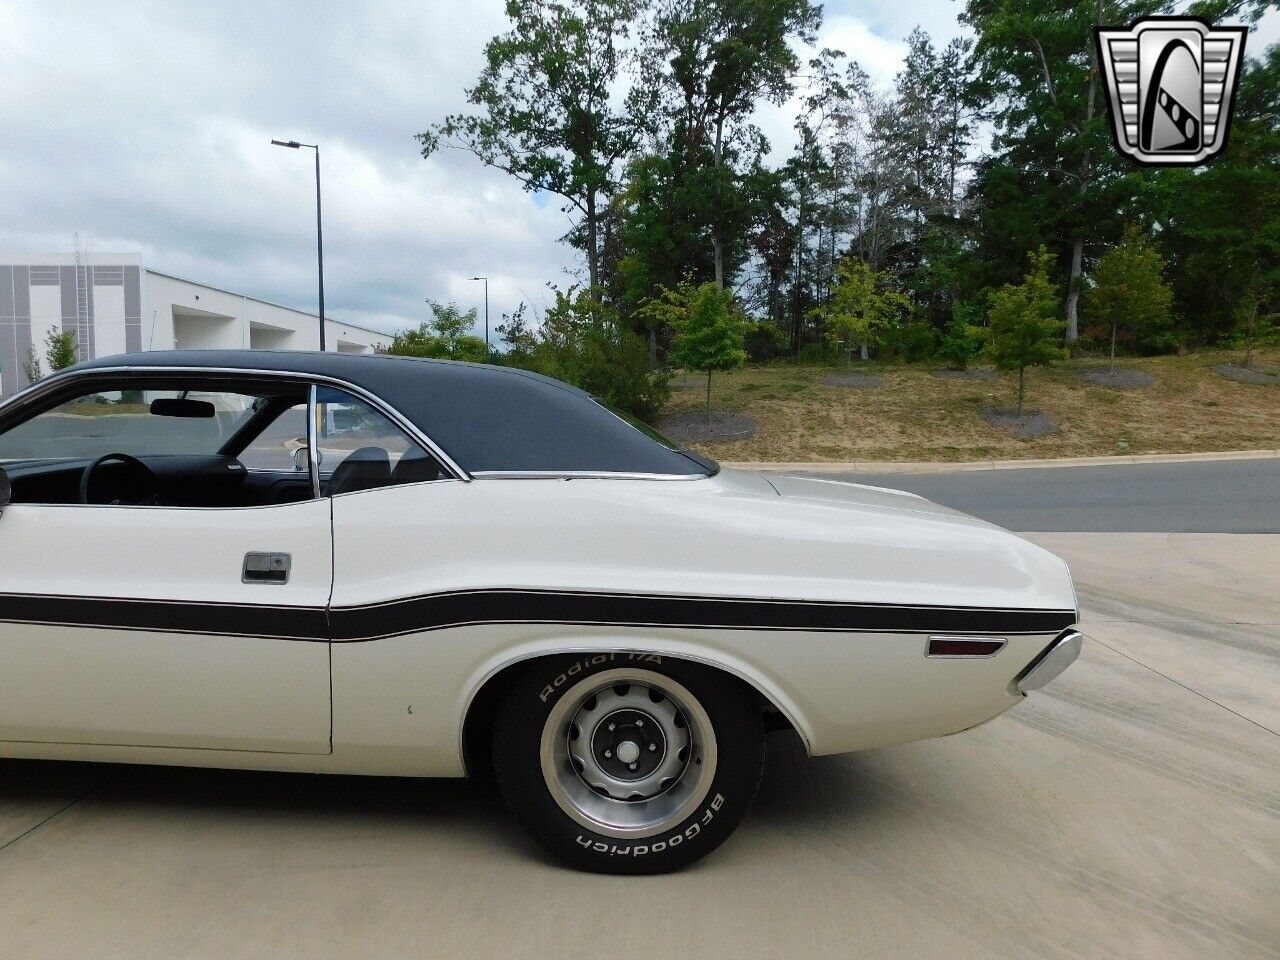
[375,565]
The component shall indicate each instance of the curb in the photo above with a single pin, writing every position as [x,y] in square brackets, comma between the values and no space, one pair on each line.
[891,466]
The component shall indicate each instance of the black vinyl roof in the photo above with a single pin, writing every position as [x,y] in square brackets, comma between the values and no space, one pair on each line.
[487,418]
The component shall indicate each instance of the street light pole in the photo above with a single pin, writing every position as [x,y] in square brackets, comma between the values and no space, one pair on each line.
[295,145]
[486,316]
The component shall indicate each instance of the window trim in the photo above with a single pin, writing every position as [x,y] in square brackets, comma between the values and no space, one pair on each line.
[313,442]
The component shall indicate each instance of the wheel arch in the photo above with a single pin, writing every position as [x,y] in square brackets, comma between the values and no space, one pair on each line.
[490,683]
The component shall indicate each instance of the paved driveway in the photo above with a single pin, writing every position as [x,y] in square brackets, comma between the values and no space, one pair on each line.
[1130,810]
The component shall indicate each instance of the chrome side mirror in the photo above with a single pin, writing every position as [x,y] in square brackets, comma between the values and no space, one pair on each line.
[6,489]
[302,459]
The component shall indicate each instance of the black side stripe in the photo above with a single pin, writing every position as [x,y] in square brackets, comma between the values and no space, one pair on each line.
[168,616]
[447,610]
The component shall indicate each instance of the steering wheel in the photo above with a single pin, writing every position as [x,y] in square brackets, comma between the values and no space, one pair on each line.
[139,475]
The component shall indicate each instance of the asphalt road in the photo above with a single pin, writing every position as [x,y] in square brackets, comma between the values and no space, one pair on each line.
[1220,496]
[1129,810]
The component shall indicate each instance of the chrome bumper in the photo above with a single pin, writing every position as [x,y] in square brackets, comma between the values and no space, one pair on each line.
[1056,657]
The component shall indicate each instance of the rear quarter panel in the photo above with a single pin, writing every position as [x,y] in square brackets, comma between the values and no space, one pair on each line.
[399,700]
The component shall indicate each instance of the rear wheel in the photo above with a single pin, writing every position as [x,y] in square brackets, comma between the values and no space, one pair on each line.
[626,763]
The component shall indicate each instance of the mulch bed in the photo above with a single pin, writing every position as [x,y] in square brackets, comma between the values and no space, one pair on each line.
[1119,379]
[694,427]
[1261,375]
[973,373]
[1030,425]
[857,381]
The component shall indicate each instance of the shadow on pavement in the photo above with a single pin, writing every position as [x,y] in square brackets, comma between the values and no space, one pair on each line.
[795,790]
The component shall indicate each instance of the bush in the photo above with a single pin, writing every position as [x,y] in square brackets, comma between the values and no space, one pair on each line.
[60,350]
[443,337]
[582,343]
[914,341]
[821,353]
[765,341]
[960,344]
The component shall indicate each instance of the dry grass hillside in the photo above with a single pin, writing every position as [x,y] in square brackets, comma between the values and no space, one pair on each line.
[917,416]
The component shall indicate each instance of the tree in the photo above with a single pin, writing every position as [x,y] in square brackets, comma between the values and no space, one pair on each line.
[582,341]
[1024,328]
[1221,225]
[710,329]
[546,110]
[1253,327]
[863,307]
[445,336]
[962,340]
[723,58]
[1129,290]
[1038,64]
[60,349]
[31,366]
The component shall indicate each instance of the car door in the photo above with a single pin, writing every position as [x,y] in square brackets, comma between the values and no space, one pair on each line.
[156,625]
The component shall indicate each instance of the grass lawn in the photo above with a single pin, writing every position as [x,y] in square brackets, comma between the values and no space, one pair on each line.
[916,416]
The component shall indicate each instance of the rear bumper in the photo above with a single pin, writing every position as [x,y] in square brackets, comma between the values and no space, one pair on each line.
[1055,658]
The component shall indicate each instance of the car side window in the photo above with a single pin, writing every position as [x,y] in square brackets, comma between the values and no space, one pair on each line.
[136,422]
[156,441]
[361,449]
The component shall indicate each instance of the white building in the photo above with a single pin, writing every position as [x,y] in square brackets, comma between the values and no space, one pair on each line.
[114,305]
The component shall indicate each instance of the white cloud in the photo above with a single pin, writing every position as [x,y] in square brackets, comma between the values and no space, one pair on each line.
[144,125]
[881,57]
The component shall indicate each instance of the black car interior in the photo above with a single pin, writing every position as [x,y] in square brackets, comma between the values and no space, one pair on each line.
[215,479]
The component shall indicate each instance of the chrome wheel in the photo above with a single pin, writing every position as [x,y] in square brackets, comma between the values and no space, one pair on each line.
[628,753]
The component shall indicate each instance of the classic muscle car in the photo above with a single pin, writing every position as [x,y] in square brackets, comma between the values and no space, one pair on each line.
[377,565]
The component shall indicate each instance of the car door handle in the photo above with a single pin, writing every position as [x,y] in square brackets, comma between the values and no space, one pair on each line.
[266,568]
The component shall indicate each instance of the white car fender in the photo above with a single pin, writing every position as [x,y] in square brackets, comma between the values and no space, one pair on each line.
[758,679]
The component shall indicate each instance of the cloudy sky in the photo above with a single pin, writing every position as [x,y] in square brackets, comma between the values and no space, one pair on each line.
[145,127]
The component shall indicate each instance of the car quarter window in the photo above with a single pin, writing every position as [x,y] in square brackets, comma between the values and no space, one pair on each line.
[279,444]
[360,448]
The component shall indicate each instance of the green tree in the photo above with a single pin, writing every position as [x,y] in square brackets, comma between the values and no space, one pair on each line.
[719,60]
[710,328]
[1221,224]
[962,339]
[60,349]
[1024,327]
[864,309]
[583,342]
[1129,290]
[31,366]
[1253,327]
[1061,178]
[445,336]
[545,104]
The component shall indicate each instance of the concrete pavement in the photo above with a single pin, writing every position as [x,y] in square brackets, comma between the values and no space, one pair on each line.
[1131,809]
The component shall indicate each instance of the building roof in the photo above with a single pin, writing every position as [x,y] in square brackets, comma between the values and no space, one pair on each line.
[269,303]
[486,418]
